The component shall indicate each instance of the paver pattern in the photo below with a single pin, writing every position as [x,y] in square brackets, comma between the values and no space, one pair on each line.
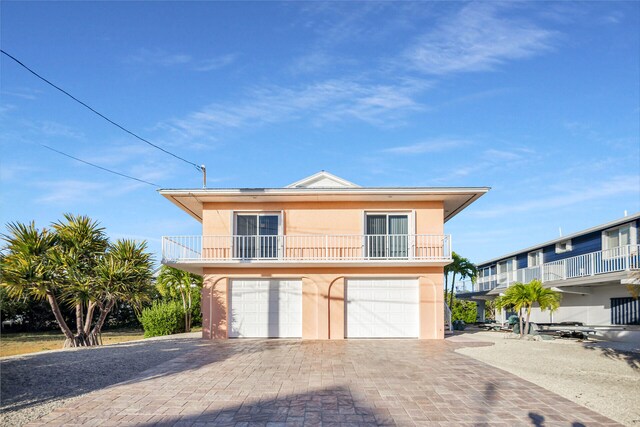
[296,383]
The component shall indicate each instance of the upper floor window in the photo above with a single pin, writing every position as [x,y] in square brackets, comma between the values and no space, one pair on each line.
[256,235]
[617,237]
[387,235]
[534,259]
[564,246]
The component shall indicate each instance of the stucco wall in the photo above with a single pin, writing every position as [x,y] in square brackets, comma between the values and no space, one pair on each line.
[590,309]
[302,218]
[323,311]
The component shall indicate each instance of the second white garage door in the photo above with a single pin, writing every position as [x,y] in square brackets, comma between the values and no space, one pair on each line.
[265,309]
[382,308]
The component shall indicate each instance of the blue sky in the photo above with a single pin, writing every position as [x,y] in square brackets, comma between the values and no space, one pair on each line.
[539,101]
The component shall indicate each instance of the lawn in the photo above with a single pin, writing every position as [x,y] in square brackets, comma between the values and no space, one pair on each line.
[31,342]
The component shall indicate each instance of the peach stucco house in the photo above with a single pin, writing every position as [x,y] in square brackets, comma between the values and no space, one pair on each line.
[322,258]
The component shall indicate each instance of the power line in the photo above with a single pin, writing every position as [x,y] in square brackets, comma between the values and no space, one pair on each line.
[198,167]
[99,167]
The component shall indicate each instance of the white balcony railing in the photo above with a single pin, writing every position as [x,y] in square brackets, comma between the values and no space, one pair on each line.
[314,248]
[607,261]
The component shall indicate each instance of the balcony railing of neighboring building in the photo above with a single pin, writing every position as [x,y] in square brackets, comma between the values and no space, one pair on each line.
[612,260]
[313,248]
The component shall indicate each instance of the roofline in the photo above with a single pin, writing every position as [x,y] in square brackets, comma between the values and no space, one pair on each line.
[325,174]
[301,190]
[606,225]
[474,193]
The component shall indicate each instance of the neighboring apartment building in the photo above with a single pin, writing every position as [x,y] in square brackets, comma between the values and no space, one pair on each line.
[589,268]
[319,259]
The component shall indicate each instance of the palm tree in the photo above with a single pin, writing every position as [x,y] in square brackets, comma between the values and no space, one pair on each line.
[81,243]
[173,284]
[122,274]
[460,266]
[545,298]
[29,267]
[77,265]
[524,296]
[515,296]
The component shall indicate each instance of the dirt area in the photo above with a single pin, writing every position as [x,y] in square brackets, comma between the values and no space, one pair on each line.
[601,376]
[18,343]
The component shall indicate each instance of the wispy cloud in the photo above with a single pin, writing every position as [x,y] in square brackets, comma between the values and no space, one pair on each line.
[572,195]
[215,63]
[162,58]
[22,92]
[159,57]
[429,146]
[67,191]
[477,38]
[326,101]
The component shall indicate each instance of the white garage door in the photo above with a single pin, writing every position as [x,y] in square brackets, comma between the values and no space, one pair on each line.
[382,308]
[266,308]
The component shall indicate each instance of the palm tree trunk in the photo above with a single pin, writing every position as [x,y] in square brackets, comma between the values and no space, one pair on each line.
[69,342]
[520,320]
[89,318]
[528,316]
[94,336]
[453,283]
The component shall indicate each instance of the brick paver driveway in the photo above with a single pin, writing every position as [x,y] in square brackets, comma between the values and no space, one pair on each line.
[282,382]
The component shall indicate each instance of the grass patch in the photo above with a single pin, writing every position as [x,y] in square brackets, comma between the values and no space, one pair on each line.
[32,342]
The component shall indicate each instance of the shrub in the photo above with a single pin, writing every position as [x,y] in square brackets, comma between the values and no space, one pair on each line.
[162,318]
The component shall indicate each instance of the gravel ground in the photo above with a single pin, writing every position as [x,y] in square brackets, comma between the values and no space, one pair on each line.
[602,376]
[33,385]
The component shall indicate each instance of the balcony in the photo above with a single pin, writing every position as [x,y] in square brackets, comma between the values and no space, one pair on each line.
[272,250]
[614,260]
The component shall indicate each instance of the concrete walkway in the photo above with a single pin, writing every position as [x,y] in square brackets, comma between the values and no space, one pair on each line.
[355,382]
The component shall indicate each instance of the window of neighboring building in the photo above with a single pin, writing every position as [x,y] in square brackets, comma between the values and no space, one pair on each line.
[564,246]
[535,258]
[505,271]
[617,237]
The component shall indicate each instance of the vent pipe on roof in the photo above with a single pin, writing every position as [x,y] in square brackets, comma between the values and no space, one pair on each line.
[560,230]
[625,212]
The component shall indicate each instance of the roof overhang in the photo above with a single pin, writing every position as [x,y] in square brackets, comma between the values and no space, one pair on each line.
[455,198]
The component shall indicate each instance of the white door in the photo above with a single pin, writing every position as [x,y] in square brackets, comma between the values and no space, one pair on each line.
[382,308]
[266,308]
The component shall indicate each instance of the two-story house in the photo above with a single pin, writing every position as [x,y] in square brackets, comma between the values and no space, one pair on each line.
[322,258]
[589,268]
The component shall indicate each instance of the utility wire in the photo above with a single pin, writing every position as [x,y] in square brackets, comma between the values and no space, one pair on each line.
[99,167]
[198,167]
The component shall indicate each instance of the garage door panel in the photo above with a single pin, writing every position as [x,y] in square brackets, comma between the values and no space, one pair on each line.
[266,308]
[382,308]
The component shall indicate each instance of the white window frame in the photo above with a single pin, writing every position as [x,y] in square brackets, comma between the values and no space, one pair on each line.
[568,246]
[510,275]
[411,226]
[633,234]
[279,214]
[537,254]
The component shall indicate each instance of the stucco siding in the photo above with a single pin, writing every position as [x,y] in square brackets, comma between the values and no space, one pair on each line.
[304,218]
[323,291]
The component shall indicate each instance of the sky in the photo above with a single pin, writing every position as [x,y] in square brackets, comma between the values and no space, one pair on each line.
[539,101]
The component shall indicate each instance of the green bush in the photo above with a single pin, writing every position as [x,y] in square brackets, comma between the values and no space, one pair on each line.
[162,318]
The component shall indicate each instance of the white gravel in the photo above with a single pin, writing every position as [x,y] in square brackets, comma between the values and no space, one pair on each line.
[602,376]
[33,385]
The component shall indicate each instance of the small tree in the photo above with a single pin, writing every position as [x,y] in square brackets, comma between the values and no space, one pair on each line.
[545,298]
[173,284]
[523,296]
